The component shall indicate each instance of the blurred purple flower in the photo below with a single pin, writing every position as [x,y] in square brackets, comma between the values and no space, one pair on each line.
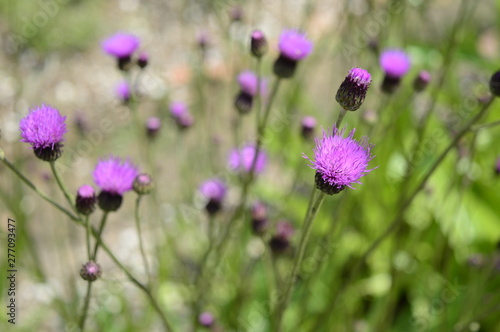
[121,45]
[213,189]
[248,83]
[123,91]
[242,159]
[294,45]
[395,63]
[206,319]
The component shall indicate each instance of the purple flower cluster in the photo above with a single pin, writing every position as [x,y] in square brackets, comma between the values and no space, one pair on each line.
[44,128]
[339,161]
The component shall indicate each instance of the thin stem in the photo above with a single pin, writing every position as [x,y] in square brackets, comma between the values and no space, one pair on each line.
[85,306]
[141,286]
[139,235]
[36,190]
[317,198]
[258,96]
[342,113]
[486,125]
[69,197]
[88,231]
[101,228]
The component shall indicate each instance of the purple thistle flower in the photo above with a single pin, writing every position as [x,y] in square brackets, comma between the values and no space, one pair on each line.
[294,45]
[90,271]
[123,91]
[258,43]
[339,161]
[422,81]
[153,126]
[280,241]
[206,319]
[213,189]
[44,128]
[114,175]
[177,109]
[248,83]
[242,159]
[395,63]
[143,184]
[121,45]
[85,200]
[308,125]
[352,91]
[497,167]
[259,218]
[142,60]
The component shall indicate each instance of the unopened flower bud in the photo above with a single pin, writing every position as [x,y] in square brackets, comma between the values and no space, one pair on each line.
[90,271]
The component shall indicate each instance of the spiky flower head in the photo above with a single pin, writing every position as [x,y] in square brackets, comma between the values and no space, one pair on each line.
[121,45]
[339,161]
[85,200]
[90,271]
[352,91]
[294,45]
[395,63]
[115,175]
[243,159]
[44,128]
[258,43]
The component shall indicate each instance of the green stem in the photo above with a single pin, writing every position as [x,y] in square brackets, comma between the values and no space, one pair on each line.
[342,113]
[88,231]
[142,287]
[486,125]
[36,190]
[317,198]
[139,234]
[69,197]
[101,228]
[85,306]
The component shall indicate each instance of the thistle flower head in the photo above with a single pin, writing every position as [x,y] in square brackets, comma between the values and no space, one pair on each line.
[352,91]
[206,319]
[395,63]
[44,128]
[90,271]
[85,200]
[248,82]
[114,175]
[123,91]
[258,43]
[294,45]
[121,45]
[178,109]
[339,161]
[422,81]
[143,184]
[213,189]
[242,159]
